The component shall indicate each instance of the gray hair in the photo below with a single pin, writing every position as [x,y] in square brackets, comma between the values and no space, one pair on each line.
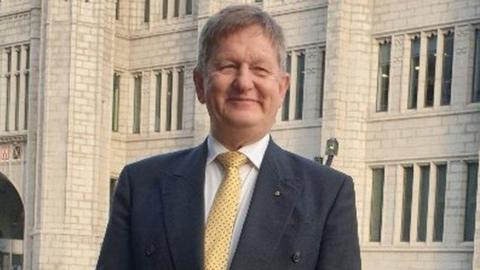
[232,19]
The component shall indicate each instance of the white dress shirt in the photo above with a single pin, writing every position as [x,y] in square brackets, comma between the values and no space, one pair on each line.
[214,175]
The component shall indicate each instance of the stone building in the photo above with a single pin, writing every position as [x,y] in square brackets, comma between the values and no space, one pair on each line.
[87,86]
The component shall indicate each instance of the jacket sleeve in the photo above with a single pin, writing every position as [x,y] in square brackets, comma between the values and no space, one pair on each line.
[340,248]
[116,249]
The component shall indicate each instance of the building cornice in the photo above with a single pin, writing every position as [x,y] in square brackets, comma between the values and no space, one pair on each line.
[17,138]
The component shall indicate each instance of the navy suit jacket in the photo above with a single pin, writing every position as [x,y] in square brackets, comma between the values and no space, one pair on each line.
[157,217]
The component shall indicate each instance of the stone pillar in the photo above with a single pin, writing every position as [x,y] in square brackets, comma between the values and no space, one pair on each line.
[347,81]
[74,122]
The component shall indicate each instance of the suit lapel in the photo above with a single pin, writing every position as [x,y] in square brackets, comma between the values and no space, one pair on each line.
[184,213]
[273,201]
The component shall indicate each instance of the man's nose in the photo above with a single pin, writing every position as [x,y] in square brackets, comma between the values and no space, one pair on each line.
[244,78]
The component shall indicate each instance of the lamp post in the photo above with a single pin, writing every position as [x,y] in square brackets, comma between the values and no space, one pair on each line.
[331,150]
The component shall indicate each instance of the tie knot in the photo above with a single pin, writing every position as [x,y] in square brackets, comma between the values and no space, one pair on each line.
[232,159]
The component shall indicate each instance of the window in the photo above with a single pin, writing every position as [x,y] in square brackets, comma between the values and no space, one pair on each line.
[147,11]
[448,39]
[137,103]
[165,9]
[476,68]
[322,84]
[158,101]
[17,101]
[115,102]
[407,203]
[7,80]
[27,77]
[423,203]
[19,57]
[376,204]
[414,70]
[430,74]
[471,201]
[113,185]
[300,85]
[168,123]
[286,100]
[176,8]
[169,99]
[438,215]
[7,105]
[188,7]
[383,77]
[117,9]
[25,120]
[180,100]
[27,54]
[9,60]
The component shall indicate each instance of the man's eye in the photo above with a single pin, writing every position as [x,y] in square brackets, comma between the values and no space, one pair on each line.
[227,66]
[261,70]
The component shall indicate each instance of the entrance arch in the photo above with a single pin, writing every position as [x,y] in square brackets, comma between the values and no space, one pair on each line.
[11,226]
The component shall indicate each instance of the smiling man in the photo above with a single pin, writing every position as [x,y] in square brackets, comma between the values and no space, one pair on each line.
[238,201]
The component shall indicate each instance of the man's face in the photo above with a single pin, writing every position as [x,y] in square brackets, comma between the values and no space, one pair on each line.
[243,85]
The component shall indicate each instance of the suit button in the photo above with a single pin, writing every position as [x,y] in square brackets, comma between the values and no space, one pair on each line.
[296,257]
[150,250]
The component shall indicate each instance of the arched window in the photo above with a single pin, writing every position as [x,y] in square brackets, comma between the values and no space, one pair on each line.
[11,226]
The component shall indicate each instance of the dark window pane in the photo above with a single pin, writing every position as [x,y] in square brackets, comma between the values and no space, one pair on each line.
[447,68]
[471,201]
[423,203]
[19,57]
[176,8]
[27,54]
[117,9]
[180,100]
[286,100]
[158,101]
[7,105]
[137,102]
[300,85]
[9,60]
[27,94]
[17,101]
[115,102]
[430,75]
[168,123]
[407,203]
[113,185]
[376,205]
[147,11]
[476,68]
[189,7]
[439,203]
[383,77]
[322,84]
[165,9]
[414,71]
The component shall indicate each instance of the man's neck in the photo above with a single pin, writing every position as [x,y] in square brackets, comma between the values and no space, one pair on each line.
[234,141]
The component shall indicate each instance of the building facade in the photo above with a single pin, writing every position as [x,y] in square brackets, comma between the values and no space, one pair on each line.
[88,86]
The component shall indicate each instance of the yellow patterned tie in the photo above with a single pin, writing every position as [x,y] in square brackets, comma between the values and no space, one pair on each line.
[218,234]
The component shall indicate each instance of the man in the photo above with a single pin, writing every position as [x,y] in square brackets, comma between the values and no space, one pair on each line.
[237,201]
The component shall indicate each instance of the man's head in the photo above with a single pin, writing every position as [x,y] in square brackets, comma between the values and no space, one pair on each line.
[233,18]
[240,73]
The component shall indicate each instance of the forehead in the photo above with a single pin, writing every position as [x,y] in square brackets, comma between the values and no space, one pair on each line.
[252,37]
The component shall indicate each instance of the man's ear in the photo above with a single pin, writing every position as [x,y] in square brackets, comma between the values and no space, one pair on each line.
[284,84]
[199,87]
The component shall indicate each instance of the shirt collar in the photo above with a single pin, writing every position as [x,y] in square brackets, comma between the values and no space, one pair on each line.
[254,151]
